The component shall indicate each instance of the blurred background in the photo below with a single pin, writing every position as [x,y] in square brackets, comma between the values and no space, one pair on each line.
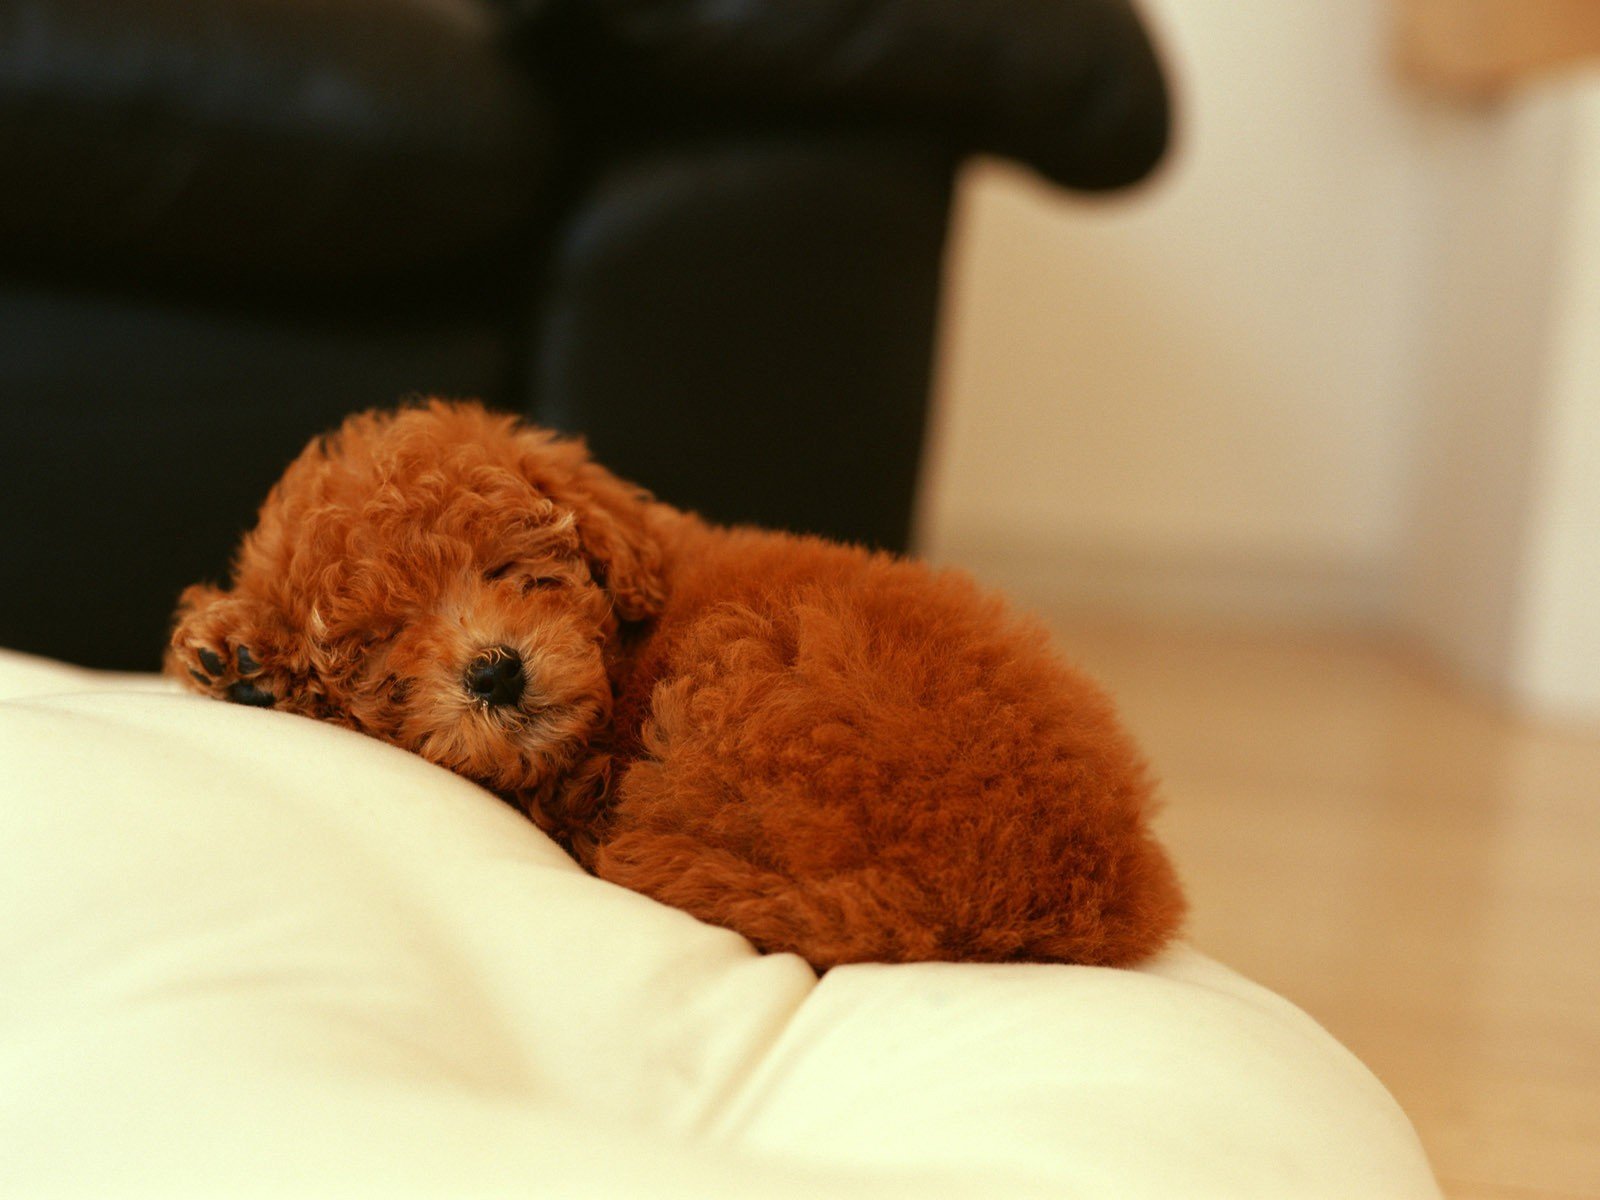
[1251,344]
[1338,364]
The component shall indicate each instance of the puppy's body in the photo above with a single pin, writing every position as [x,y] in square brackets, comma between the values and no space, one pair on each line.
[833,752]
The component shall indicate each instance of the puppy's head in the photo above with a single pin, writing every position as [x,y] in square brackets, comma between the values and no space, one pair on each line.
[442,578]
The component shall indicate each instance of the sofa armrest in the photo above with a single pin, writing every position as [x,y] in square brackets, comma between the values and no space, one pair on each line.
[776,299]
[1073,88]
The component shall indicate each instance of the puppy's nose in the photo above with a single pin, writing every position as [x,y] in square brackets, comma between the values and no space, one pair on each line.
[495,676]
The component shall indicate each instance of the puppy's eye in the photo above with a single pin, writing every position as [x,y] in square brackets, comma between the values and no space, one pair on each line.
[528,581]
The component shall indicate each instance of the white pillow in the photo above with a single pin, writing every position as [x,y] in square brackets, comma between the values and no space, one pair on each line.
[243,953]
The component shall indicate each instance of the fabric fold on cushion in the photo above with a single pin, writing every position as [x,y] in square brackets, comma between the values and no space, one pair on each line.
[245,953]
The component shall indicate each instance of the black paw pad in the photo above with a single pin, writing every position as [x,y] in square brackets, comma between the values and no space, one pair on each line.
[247,661]
[249,693]
[210,660]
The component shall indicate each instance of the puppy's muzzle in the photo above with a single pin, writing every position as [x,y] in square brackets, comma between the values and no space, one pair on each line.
[495,677]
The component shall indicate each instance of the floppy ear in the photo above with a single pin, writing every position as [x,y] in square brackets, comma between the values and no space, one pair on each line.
[622,551]
[613,522]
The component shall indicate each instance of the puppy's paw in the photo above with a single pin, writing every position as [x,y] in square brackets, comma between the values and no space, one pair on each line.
[207,655]
[225,672]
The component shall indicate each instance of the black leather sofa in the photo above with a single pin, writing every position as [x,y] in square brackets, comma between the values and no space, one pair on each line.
[704,233]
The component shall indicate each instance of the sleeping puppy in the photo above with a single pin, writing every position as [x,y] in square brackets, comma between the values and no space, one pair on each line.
[833,752]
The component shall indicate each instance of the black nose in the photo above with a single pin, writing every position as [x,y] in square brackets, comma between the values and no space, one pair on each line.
[495,676]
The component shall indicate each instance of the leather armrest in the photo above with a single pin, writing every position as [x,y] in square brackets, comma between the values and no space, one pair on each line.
[1073,88]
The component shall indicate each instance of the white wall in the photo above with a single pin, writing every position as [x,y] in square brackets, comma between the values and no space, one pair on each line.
[1339,363]
[1494,201]
[1557,658]
[1201,390]
[1501,574]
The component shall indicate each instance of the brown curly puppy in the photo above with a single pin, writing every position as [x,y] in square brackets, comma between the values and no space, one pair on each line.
[830,751]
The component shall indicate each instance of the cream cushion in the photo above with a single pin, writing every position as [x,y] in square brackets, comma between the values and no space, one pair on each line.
[247,954]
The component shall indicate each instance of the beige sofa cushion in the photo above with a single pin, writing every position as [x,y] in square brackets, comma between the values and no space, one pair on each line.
[242,953]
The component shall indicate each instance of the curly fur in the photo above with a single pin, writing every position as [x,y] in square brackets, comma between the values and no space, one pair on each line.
[834,752]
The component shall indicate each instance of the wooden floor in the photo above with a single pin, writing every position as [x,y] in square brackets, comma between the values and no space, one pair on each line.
[1415,869]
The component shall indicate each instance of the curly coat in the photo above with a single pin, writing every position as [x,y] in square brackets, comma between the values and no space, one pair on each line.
[833,752]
